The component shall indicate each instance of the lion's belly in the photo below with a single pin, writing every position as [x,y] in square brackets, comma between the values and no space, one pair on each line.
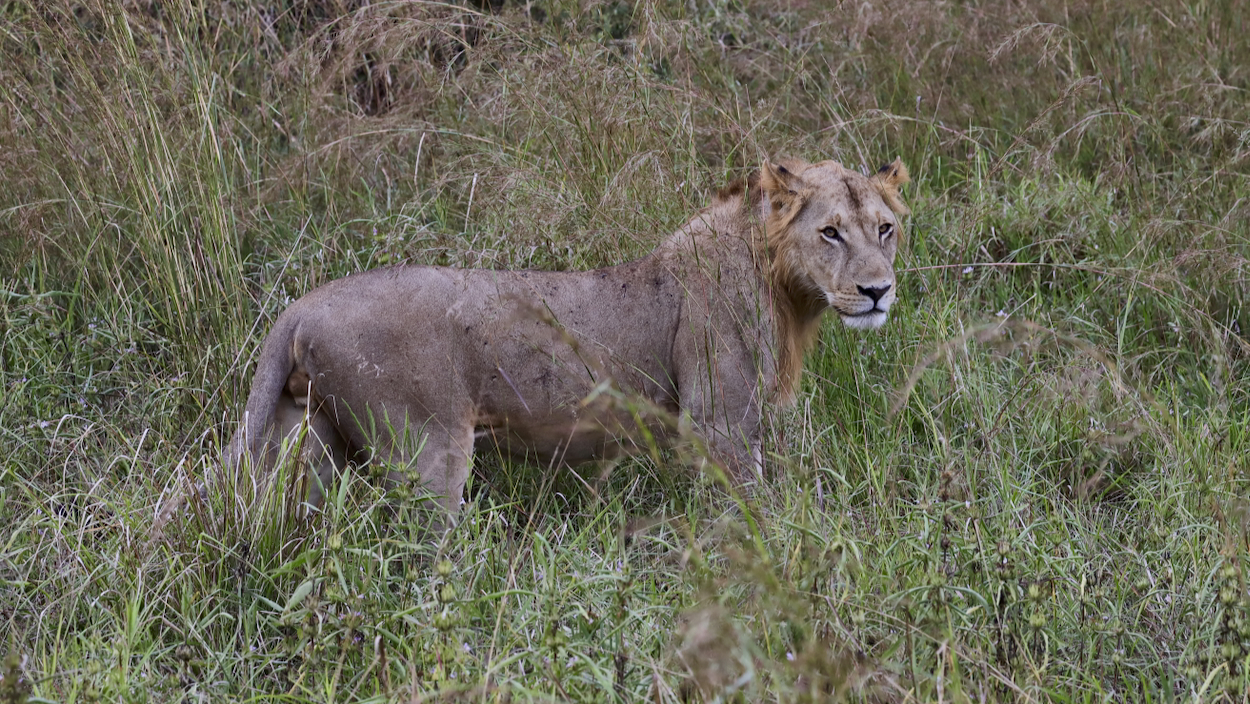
[562,439]
[548,443]
[563,413]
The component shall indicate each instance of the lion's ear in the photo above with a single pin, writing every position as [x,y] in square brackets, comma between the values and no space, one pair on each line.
[887,181]
[781,186]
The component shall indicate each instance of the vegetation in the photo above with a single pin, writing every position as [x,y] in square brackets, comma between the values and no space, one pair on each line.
[1030,486]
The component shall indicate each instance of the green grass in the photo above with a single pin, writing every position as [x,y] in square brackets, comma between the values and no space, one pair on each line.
[1030,486]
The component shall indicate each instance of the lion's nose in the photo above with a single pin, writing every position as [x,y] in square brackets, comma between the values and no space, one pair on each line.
[875,293]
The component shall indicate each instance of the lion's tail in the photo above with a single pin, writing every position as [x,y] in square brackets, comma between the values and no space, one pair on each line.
[272,370]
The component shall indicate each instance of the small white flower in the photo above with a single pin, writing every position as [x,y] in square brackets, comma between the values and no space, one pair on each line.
[967,270]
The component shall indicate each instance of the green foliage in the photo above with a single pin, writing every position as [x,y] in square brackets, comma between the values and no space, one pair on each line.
[1029,486]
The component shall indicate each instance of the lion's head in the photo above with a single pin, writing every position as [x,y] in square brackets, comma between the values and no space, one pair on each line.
[833,234]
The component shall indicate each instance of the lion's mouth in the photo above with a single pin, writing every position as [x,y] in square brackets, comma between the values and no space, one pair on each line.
[870,319]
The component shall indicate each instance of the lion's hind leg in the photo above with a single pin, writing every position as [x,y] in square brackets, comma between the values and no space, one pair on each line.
[314,436]
[434,457]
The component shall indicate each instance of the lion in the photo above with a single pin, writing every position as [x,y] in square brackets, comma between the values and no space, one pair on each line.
[416,365]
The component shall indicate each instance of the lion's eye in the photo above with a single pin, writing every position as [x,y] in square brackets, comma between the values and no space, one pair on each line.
[885,230]
[831,234]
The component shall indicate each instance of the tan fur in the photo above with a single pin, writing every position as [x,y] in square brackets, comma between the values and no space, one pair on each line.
[418,364]
[887,182]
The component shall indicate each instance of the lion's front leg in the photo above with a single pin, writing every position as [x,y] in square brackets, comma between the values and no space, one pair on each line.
[724,406]
[738,449]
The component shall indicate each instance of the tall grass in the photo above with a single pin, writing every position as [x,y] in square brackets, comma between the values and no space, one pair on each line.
[1030,486]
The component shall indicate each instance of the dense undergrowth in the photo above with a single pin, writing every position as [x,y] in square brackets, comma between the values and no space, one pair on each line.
[1030,486]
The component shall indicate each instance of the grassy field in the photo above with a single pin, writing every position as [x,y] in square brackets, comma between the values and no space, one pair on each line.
[1031,485]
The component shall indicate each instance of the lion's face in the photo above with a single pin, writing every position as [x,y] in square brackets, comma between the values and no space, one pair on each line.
[836,232]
